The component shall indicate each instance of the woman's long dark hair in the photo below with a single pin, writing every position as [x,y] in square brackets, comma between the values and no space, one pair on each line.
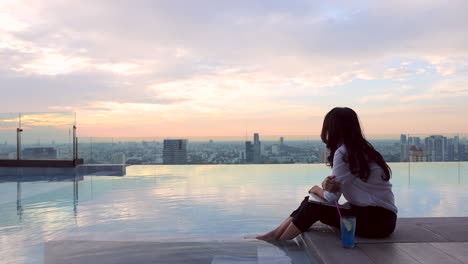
[341,126]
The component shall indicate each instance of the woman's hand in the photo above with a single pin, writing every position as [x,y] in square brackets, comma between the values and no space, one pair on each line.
[329,184]
[317,190]
[314,189]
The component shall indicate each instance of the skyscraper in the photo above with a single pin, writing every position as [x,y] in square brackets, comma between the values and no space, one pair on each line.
[175,151]
[461,152]
[435,148]
[450,150]
[456,144]
[249,152]
[257,158]
[403,148]
[403,139]
[253,152]
[256,138]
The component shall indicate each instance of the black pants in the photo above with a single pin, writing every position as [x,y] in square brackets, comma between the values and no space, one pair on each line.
[371,221]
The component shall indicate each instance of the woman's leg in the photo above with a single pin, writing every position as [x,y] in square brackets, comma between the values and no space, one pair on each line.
[329,215]
[291,232]
[308,215]
[276,233]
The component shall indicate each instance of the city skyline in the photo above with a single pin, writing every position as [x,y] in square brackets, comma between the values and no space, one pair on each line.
[408,148]
[216,68]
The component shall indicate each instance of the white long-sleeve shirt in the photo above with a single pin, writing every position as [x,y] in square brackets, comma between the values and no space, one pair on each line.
[375,192]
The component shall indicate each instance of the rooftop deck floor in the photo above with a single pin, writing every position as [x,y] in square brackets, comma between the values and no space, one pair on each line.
[415,240]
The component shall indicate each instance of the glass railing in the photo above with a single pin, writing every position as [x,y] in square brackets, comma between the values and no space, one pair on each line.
[463,166]
[407,156]
[131,151]
[47,136]
[269,150]
[8,125]
[433,148]
[37,136]
[50,135]
[99,150]
[431,155]
[201,150]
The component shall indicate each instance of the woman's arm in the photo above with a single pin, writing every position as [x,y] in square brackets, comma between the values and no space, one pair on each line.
[341,174]
[332,189]
[340,168]
[329,184]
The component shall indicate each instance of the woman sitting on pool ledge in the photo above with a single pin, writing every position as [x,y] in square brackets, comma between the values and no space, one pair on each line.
[359,173]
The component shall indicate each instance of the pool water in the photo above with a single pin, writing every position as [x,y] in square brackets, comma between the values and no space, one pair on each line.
[204,204]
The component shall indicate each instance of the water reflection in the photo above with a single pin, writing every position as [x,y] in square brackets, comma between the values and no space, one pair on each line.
[74,179]
[151,202]
[19,207]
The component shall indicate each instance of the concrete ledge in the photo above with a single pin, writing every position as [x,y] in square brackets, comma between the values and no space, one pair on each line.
[102,169]
[29,174]
[412,235]
[41,163]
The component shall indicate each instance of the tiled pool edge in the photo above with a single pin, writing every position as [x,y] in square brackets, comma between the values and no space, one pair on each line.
[411,235]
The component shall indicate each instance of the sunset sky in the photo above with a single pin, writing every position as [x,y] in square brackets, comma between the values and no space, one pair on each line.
[221,68]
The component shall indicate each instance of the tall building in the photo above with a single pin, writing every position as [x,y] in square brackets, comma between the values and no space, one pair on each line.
[444,149]
[275,149]
[253,151]
[403,148]
[175,151]
[456,144]
[450,150]
[435,148]
[281,141]
[414,141]
[256,138]
[257,145]
[249,152]
[403,139]
[242,156]
[461,152]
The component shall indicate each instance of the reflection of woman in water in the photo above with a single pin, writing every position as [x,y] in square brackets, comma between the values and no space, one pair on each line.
[359,172]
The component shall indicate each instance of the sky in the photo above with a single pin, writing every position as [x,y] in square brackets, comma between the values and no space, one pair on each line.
[175,68]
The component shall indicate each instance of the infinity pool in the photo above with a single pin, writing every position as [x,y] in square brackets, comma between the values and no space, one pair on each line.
[209,205]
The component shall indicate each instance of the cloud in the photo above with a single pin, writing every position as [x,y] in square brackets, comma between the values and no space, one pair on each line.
[120,68]
[51,63]
[447,66]
[452,87]
[377,98]
[209,59]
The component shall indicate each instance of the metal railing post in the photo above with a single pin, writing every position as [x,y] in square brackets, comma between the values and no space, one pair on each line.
[74,143]
[77,147]
[18,143]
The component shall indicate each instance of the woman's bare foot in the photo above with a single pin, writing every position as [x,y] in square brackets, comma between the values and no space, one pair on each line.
[270,236]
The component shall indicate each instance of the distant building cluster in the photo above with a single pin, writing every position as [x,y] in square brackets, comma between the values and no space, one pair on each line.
[40,153]
[433,148]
